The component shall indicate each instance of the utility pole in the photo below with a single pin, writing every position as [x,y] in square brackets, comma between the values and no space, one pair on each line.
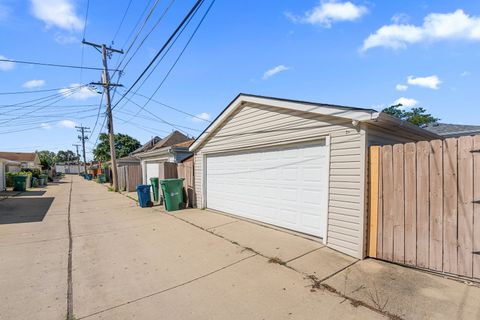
[82,138]
[78,156]
[106,53]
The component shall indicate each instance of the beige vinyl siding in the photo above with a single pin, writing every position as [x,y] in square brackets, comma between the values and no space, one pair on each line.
[256,126]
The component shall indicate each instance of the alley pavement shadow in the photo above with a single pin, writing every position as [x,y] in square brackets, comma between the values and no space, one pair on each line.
[36,193]
[24,210]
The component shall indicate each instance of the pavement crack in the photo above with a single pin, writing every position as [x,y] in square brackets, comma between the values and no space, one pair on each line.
[69,274]
[170,288]
[304,254]
[222,225]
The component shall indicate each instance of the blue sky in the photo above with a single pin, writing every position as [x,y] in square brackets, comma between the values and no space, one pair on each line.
[358,53]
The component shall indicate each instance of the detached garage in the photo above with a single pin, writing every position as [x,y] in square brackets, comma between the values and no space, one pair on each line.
[295,164]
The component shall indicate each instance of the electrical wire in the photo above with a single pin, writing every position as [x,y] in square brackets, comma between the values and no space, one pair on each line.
[31,91]
[121,22]
[147,35]
[192,10]
[170,107]
[83,45]
[54,65]
[136,36]
[178,58]
[42,100]
[98,114]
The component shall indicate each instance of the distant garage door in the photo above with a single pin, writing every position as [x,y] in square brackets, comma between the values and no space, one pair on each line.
[285,187]
[152,171]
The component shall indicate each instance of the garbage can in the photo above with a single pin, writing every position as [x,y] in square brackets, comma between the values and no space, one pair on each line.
[172,190]
[41,182]
[154,182]
[20,183]
[34,182]
[89,176]
[102,178]
[45,178]
[143,192]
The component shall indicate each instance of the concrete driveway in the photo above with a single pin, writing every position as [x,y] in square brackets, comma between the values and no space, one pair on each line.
[80,252]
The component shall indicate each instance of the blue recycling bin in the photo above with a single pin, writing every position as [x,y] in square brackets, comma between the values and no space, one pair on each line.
[144,199]
[89,176]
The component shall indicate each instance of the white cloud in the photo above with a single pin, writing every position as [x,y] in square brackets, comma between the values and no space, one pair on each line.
[201,116]
[400,18]
[330,11]
[406,102]
[58,13]
[5,66]
[431,82]
[465,73]
[76,93]
[401,87]
[436,26]
[33,84]
[66,39]
[46,126]
[271,72]
[67,124]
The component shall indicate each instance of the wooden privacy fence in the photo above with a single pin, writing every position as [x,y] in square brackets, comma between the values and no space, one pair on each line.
[129,177]
[185,171]
[424,205]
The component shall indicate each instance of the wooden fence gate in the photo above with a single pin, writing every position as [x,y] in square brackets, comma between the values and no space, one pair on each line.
[424,205]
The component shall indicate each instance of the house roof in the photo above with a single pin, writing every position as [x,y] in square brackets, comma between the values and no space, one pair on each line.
[172,139]
[18,156]
[354,113]
[6,161]
[452,130]
[148,145]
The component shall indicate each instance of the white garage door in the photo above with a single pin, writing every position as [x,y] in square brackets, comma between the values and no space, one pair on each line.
[284,187]
[152,171]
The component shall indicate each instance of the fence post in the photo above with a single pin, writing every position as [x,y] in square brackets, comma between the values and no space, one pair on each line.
[374,157]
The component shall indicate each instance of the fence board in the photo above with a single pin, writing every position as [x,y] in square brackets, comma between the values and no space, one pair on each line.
[410,204]
[450,205]
[398,204]
[436,206]
[373,203]
[380,208]
[423,207]
[476,208]
[428,212]
[388,203]
[465,207]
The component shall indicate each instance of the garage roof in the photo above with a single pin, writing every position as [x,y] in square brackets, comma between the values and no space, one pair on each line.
[353,113]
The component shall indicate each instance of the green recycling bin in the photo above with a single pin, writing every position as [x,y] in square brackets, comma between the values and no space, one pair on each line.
[154,182]
[45,178]
[20,183]
[102,177]
[34,182]
[172,190]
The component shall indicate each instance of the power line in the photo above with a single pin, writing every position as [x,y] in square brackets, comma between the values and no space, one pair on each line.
[192,10]
[53,65]
[178,58]
[164,55]
[83,38]
[121,22]
[136,36]
[170,107]
[98,114]
[31,91]
[148,34]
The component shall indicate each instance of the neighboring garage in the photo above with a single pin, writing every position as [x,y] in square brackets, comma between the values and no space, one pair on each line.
[294,164]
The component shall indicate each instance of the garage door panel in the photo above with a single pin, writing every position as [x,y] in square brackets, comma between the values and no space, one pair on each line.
[284,187]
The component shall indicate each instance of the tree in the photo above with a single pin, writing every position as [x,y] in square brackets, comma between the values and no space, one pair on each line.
[66,156]
[417,116]
[47,159]
[124,145]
